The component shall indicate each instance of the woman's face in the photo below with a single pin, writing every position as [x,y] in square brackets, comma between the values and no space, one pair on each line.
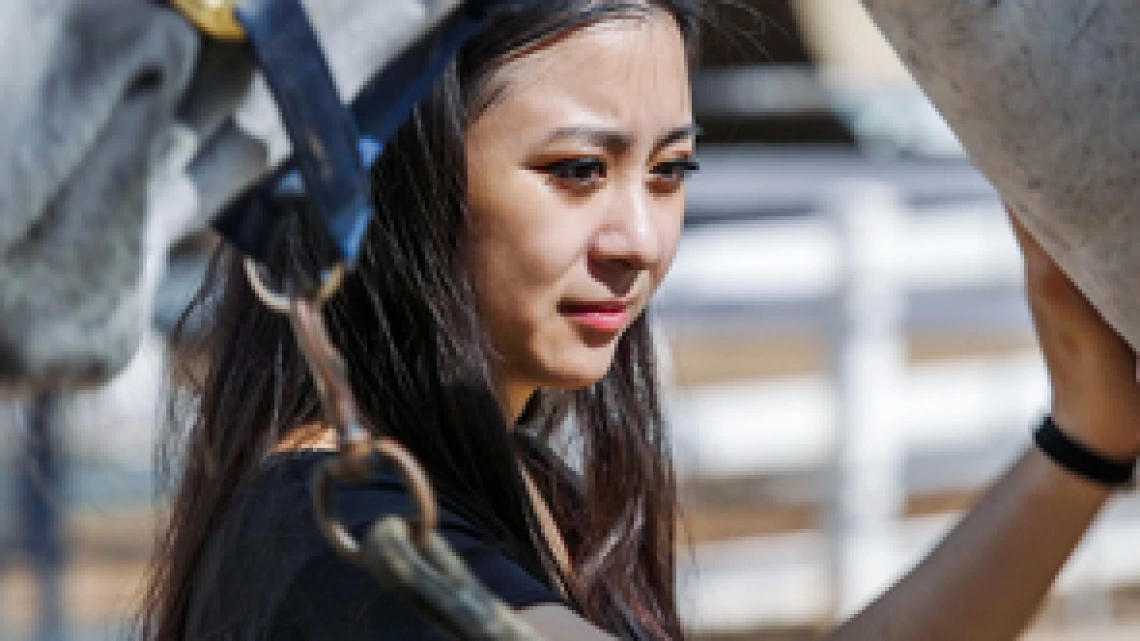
[575,178]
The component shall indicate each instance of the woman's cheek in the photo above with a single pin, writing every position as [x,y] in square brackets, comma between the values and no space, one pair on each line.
[671,239]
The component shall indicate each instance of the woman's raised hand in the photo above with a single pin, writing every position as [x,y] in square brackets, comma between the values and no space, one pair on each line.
[1031,519]
[1096,399]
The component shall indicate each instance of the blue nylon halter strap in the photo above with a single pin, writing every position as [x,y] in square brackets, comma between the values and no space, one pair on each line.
[333,144]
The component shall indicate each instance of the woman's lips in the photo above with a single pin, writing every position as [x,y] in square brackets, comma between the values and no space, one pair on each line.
[602,317]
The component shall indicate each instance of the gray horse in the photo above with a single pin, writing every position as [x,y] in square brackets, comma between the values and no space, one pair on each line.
[1045,97]
[89,91]
[121,130]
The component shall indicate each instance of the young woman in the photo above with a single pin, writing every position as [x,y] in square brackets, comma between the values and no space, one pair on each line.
[525,216]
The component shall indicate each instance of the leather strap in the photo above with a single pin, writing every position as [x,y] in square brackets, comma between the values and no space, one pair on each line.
[323,132]
[332,144]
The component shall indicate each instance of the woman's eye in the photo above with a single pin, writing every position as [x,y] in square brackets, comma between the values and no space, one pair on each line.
[582,172]
[676,170]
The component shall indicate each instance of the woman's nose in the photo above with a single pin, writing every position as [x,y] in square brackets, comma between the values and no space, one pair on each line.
[631,233]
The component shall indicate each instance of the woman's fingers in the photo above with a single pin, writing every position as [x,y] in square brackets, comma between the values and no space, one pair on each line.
[1091,368]
[1048,286]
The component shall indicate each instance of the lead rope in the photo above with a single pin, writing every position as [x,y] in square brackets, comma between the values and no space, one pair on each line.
[409,557]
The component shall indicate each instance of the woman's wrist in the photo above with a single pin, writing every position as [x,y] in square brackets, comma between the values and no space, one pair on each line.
[1103,433]
[1108,468]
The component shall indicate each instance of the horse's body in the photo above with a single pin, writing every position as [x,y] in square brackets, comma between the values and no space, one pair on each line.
[1045,97]
[120,130]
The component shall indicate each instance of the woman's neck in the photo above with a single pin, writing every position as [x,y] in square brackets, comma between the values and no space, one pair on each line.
[515,397]
[307,436]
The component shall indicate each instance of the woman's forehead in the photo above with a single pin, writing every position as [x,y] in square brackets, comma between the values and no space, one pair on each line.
[628,72]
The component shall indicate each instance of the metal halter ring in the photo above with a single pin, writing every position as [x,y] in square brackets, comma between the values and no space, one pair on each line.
[281,303]
[414,476]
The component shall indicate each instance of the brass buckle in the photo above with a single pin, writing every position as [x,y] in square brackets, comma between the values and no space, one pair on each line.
[215,18]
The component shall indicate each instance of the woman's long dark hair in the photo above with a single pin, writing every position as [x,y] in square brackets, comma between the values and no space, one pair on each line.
[418,358]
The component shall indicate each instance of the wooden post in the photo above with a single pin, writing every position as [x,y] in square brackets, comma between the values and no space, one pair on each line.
[868,356]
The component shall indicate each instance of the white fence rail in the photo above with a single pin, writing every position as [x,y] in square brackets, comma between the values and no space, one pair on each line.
[863,260]
[786,579]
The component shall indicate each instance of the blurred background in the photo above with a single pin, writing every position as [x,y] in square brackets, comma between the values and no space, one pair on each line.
[850,362]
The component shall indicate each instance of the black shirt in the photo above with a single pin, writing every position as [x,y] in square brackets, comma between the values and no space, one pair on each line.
[269,573]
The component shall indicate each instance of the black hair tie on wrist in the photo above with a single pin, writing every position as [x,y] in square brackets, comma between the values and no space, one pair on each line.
[1079,459]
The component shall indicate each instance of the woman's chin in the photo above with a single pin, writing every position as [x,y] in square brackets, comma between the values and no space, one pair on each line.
[583,370]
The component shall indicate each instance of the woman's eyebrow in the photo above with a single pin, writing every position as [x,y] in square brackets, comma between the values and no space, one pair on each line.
[691,130]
